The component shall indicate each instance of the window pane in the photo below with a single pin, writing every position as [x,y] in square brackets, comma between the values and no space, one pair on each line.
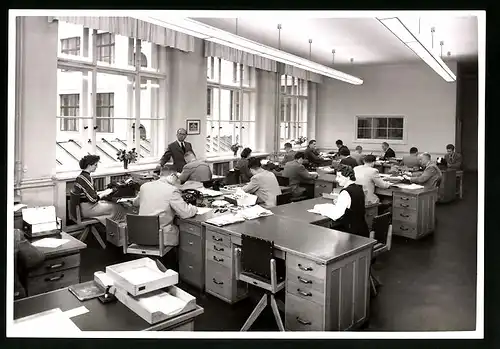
[151,140]
[381,133]
[248,134]
[295,86]
[396,133]
[209,102]
[248,76]
[302,130]
[302,110]
[227,136]
[288,109]
[71,39]
[235,106]
[225,103]
[150,95]
[380,122]
[364,122]
[213,68]
[215,103]
[114,50]
[212,145]
[150,57]
[364,133]
[227,74]
[303,87]
[116,91]
[249,106]
[396,122]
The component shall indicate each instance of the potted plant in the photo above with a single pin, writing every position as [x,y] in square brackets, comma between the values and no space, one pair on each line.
[235,148]
[300,140]
[127,157]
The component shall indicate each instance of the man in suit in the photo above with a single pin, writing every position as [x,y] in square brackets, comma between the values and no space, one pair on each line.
[453,159]
[263,184]
[340,145]
[297,173]
[176,150]
[412,160]
[195,170]
[369,178]
[346,159]
[358,155]
[311,154]
[289,154]
[163,198]
[431,175]
[388,152]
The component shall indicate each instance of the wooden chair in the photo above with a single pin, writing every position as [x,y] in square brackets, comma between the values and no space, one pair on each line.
[144,236]
[259,268]
[382,232]
[75,214]
[284,199]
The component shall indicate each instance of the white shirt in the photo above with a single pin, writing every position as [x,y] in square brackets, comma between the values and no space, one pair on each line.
[180,143]
[337,210]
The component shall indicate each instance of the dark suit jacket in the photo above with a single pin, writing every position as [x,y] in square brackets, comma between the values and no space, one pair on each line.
[389,153]
[174,151]
[349,162]
[312,156]
[245,173]
[289,156]
[454,161]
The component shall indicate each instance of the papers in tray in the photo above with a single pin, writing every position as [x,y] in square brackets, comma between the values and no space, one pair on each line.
[210,192]
[225,219]
[49,242]
[203,210]
[412,186]
[254,212]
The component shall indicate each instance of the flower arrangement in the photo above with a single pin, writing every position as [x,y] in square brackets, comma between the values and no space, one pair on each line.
[300,140]
[235,148]
[127,157]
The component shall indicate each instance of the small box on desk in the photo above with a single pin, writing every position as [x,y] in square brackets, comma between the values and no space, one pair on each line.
[41,221]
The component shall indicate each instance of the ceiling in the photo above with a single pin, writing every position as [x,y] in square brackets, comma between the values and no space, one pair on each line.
[365,40]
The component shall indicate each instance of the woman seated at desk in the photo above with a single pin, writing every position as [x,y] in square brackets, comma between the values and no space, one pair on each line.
[242,165]
[349,211]
[91,205]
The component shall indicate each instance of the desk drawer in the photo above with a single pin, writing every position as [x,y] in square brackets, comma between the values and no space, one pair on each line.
[404,229]
[218,279]
[189,228]
[302,315]
[305,292]
[219,258]
[305,267]
[56,264]
[219,238]
[307,282]
[115,232]
[190,243]
[53,281]
[404,201]
[405,215]
[191,268]
[322,187]
[219,249]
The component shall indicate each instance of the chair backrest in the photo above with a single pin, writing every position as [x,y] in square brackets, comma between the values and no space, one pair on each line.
[380,226]
[284,199]
[256,255]
[143,230]
[283,181]
[74,207]
[233,177]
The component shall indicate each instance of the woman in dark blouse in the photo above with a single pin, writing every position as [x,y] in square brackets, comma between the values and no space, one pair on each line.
[242,165]
[91,204]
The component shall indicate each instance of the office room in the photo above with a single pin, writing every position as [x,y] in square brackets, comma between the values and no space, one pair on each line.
[315,173]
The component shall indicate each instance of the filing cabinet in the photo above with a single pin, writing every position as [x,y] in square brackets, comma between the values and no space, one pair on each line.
[413,214]
[192,254]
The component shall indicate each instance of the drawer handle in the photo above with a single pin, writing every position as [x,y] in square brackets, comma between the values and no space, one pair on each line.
[218,249]
[54,278]
[304,281]
[217,282]
[404,215]
[55,266]
[404,229]
[190,243]
[304,268]
[216,239]
[403,205]
[405,199]
[218,259]
[190,266]
[305,294]
[303,322]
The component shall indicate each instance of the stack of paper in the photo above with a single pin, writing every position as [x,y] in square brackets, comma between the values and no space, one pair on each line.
[225,220]
[321,208]
[46,324]
[254,212]
[164,302]
[49,242]
[203,210]
[210,192]
[412,186]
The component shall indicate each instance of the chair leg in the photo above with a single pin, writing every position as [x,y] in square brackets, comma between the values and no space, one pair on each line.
[375,279]
[281,305]
[372,283]
[85,232]
[255,313]
[277,315]
[98,236]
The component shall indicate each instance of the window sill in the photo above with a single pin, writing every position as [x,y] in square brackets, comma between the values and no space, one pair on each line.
[224,158]
[379,141]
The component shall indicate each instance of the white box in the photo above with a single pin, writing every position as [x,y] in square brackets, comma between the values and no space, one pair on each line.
[141,276]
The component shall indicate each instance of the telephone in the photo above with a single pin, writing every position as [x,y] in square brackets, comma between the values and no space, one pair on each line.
[192,196]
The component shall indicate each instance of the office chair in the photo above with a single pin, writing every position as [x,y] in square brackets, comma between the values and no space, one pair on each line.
[144,236]
[382,232]
[232,177]
[88,224]
[260,269]
[283,181]
[284,199]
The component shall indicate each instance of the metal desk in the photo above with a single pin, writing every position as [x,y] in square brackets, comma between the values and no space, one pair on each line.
[101,317]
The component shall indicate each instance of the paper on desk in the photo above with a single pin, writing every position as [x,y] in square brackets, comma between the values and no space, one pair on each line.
[412,186]
[254,212]
[49,242]
[164,302]
[210,192]
[203,210]
[320,208]
[51,323]
[225,219]
[104,192]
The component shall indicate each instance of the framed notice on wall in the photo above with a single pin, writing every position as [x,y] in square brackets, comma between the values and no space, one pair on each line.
[193,126]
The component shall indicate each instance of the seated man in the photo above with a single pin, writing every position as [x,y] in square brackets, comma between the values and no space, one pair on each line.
[289,154]
[412,160]
[358,155]
[312,155]
[369,178]
[297,173]
[195,170]
[163,198]
[346,159]
[263,184]
[387,152]
[431,175]
[453,159]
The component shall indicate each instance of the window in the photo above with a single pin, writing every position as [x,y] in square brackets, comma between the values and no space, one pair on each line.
[105,47]
[104,112]
[71,46]
[69,106]
[293,111]
[99,105]
[231,104]
[380,127]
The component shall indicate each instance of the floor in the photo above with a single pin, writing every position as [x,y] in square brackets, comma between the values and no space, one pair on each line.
[428,285]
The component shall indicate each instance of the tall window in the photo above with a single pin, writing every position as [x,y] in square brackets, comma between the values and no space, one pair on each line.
[231,104]
[70,106]
[101,104]
[380,128]
[293,110]
[71,46]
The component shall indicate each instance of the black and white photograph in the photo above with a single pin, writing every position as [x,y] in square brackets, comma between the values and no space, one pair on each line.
[294,174]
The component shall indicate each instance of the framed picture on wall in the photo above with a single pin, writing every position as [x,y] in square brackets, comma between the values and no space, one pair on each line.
[193,127]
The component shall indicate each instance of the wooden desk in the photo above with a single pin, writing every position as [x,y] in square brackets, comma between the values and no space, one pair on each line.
[61,267]
[327,287]
[101,317]
[448,188]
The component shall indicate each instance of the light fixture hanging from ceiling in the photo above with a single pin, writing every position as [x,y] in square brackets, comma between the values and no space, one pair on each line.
[333,57]
[396,27]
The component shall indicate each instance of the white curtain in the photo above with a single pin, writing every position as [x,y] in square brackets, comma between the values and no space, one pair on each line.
[234,55]
[134,28]
[300,73]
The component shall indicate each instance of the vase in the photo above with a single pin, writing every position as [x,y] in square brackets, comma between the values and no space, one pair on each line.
[235,152]
[125,164]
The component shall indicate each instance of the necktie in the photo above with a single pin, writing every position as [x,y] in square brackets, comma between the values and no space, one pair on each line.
[183,147]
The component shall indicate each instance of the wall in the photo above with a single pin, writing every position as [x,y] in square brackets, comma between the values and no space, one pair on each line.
[413,90]
[266,110]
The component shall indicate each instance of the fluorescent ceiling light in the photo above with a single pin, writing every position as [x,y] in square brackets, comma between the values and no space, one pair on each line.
[212,34]
[397,27]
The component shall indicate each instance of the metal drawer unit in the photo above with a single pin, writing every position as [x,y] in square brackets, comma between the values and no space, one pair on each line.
[413,215]
[192,254]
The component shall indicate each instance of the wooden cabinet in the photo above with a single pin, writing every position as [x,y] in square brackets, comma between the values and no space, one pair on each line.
[413,215]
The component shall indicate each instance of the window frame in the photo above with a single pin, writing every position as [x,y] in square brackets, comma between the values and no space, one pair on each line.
[294,94]
[110,107]
[76,51]
[379,140]
[100,46]
[66,119]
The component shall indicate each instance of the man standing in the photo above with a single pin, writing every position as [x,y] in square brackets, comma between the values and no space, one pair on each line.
[297,173]
[431,175]
[311,154]
[195,170]
[177,150]
[289,154]
[453,159]
[369,178]
[388,152]
[263,184]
